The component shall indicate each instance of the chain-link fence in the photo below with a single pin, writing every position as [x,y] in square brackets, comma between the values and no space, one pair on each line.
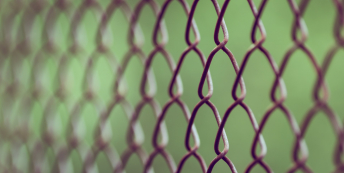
[81,90]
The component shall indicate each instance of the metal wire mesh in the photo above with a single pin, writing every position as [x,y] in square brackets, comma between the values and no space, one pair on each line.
[22,88]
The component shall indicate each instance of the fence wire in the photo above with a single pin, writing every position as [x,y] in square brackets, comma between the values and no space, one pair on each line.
[21,89]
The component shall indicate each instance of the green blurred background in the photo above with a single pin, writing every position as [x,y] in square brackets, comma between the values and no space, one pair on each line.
[299,78]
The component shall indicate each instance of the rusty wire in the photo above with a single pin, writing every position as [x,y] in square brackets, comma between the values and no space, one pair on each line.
[17,49]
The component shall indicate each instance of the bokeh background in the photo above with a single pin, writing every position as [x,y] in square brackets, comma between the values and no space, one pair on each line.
[299,78]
